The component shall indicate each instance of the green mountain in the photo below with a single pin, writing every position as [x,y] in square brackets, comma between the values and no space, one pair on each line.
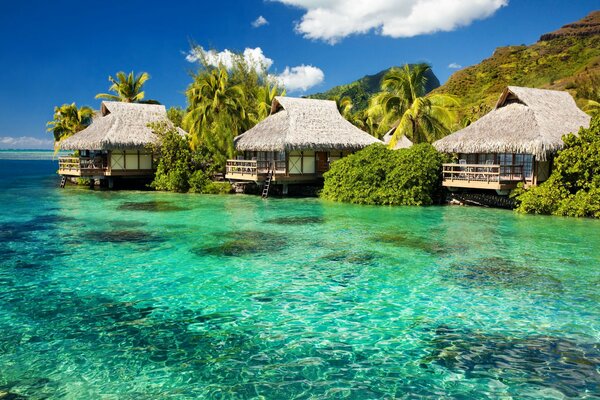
[361,90]
[566,59]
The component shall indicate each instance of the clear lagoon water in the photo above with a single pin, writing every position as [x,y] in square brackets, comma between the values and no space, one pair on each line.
[142,295]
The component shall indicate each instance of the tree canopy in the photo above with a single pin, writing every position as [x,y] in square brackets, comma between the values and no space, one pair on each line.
[68,120]
[127,88]
[573,188]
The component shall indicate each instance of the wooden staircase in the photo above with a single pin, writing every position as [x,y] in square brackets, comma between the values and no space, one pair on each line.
[265,192]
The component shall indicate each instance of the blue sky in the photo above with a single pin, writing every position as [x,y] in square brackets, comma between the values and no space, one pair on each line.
[63,51]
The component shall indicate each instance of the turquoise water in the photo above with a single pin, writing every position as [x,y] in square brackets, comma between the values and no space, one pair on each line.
[123,295]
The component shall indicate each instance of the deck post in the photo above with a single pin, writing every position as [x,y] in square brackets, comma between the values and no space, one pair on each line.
[285,189]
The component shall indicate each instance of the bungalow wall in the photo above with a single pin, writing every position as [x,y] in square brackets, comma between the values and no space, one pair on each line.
[130,160]
[299,162]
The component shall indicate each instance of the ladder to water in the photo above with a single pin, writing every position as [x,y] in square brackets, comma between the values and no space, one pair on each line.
[265,192]
[63,181]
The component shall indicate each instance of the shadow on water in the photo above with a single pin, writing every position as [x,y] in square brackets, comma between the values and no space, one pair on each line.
[241,243]
[503,272]
[152,206]
[296,220]
[543,361]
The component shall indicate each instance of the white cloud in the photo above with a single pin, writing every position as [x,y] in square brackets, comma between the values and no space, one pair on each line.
[25,142]
[300,78]
[260,21]
[454,66]
[332,20]
[253,57]
[294,79]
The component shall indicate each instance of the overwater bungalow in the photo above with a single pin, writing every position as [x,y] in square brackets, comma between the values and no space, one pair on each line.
[115,145]
[514,143]
[296,143]
[402,143]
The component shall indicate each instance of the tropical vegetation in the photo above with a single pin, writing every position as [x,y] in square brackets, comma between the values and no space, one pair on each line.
[181,169]
[573,188]
[127,88]
[69,119]
[378,175]
[225,101]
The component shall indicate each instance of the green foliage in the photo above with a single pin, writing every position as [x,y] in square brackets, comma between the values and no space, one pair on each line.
[574,186]
[378,175]
[181,169]
[68,119]
[404,104]
[175,115]
[225,101]
[127,88]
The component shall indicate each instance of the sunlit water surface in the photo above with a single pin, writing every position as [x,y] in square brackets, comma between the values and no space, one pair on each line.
[134,295]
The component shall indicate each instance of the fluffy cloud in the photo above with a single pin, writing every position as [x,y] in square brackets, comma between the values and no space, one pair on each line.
[253,57]
[294,79]
[454,66]
[332,20]
[300,78]
[260,21]
[25,142]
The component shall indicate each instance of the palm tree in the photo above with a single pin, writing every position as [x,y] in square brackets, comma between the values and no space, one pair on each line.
[128,88]
[266,95]
[403,103]
[344,105]
[592,107]
[210,97]
[68,120]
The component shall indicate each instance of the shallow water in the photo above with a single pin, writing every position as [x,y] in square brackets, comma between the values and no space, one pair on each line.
[151,295]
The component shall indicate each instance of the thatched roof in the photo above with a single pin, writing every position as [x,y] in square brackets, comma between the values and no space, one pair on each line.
[118,126]
[303,124]
[525,120]
[402,143]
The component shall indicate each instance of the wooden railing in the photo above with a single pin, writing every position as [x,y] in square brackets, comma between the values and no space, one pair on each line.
[482,172]
[83,164]
[254,167]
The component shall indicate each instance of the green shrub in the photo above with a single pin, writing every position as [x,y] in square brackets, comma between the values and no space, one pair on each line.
[378,175]
[574,186]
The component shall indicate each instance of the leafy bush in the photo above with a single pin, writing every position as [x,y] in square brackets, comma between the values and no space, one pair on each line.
[179,168]
[574,186]
[378,175]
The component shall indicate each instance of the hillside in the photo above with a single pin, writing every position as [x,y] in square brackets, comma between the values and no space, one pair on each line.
[566,59]
[361,90]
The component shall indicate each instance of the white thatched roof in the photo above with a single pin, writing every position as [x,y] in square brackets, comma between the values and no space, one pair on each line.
[525,120]
[120,125]
[303,124]
[402,143]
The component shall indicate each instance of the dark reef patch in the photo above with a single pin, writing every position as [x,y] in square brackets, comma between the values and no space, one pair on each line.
[408,240]
[126,224]
[135,236]
[242,243]
[553,362]
[350,258]
[503,272]
[296,220]
[152,206]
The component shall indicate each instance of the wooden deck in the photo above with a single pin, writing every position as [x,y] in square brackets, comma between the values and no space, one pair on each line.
[482,176]
[258,170]
[95,167]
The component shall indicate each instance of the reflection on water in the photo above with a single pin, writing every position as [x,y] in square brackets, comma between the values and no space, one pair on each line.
[153,295]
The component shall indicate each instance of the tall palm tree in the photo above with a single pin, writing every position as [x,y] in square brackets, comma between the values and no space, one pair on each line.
[127,88]
[266,95]
[403,103]
[68,120]
[211,96]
